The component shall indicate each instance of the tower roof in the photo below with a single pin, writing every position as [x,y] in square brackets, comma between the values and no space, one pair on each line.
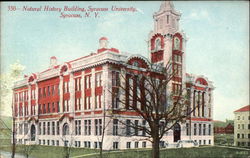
[245,108]
[166,5]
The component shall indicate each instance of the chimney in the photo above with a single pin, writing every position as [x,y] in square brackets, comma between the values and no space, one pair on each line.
[53,61]
[103,42]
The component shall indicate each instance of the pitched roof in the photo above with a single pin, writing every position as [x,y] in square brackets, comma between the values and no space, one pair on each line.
[245,108]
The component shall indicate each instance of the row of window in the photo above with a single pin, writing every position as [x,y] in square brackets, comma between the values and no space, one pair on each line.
[51,90]
[199,129]
[242,136]
[49,108]
[23,96]
[199,104]
[53,128]
[55,106]
[242,117]
[243,144]
[23,128]
[242,126]
[49,142]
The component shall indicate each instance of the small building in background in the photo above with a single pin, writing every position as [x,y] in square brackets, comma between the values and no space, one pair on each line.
[242,127]
[221,127]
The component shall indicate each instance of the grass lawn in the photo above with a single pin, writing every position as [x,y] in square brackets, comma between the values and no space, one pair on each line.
[201,152]
[38,151]
[224,139]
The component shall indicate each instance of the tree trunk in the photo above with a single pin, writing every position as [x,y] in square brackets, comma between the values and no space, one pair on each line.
[155,144]
[13,138]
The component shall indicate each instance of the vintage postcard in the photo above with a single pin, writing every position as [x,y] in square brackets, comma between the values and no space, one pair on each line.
[152,79]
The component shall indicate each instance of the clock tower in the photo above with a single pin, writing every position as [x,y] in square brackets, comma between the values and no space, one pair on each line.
[166,41]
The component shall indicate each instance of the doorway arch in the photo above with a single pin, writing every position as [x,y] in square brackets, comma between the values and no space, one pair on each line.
[177,132]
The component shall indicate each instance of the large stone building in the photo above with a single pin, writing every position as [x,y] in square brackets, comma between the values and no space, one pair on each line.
[242,127]
[65,103]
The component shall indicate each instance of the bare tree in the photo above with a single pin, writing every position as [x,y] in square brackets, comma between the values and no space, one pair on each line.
[149,94]
[105,125]
[68,137]
[28,149]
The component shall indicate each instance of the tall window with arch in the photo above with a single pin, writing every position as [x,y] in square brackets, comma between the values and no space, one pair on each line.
[157,44]
[177,43]
[65,129]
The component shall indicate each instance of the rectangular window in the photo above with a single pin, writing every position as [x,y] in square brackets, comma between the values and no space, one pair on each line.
[204,129]
[195,129]
[57,128]
[87,103]
[66,87]
[98,79]
[48,128]
[209,129]
[52,90]
[115,145]
[66,105]
[44,91]
[87,127]
[78,127]
[128,145]
[58,106]
[98,126]
[78,84]
[136,127]
[144,128]
[136,144]
[89,131]
[199,129]
[98,101]
[128,131]
[44,108]
[44,128]
[39,128]
[48,107]
[53,128]
[144,144]
[39,92]
[115,79]
[53,107]
[115,127]
[88,82]
[187,129]
[48,90]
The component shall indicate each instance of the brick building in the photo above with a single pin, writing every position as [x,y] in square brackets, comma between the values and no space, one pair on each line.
[65,103]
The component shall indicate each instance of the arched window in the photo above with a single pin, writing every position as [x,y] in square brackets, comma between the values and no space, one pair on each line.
[33,133]
[176,43]
[65,129]
[158,44]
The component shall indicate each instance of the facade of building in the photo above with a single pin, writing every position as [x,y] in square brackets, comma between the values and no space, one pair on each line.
[65,104]
[242,127]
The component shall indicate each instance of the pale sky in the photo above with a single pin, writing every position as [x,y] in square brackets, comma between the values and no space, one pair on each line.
[217,46]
